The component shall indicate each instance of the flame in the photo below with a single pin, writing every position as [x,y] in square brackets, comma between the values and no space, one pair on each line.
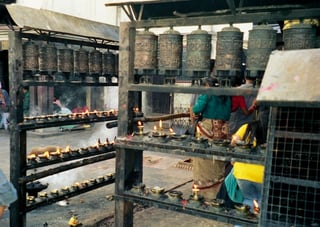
[155,128]
[198,129]
[255,204]
[31,156]
[160,124]
[67,149]
[139,123]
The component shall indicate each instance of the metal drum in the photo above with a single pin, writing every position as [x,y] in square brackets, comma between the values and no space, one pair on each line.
[48,59]
[262,41]
[108,63]
[198,51]
[170,50]
[146,45]
[299,36]
[30,56]
[95,63]
[81,61]
[65,60]
[229,53]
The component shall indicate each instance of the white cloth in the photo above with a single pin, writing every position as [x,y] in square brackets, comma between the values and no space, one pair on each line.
[8,193]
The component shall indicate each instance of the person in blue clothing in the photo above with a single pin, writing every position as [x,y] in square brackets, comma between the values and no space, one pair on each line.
[215,110]
[4,108]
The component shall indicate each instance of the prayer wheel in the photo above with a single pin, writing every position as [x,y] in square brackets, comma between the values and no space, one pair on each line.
[108,63]
[30,56]
[229,52]
[146,50]
[299,36]
[198,51]
[95,62]
[48,59]
[170,50]
[262,41]
[65,60]
[81,61]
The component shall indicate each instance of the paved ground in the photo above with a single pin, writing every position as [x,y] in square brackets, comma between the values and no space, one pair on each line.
[94,207]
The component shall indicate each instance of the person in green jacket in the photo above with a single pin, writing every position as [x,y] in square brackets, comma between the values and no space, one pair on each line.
[26,101]
[208,174]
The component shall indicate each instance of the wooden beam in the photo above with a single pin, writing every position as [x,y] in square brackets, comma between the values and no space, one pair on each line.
[255,17]
[137,2]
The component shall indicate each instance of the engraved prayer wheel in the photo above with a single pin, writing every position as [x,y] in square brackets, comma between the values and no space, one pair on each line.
[108,63]
[299,36]
[65,60]
[81,61]
[30,56]
[228,52]
[170,50]
[146,50]
[48,61]
[262,41]
[198,51]
[95,62]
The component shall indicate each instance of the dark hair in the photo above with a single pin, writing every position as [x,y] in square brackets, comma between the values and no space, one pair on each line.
[212,81]
[255,129]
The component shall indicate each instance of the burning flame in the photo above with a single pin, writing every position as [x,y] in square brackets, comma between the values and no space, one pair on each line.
[31,156]
[171,131]
[155,128]
[139,123]
[67,149]
[256,208]
[160,124]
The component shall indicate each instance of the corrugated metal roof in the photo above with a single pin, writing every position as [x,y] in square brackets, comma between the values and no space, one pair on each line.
[41,19]
[292,79]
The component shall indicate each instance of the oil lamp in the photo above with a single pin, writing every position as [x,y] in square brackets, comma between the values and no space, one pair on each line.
[140,127]
[160,127]
[171,131]
[198,134]
[195,191]
[256,208]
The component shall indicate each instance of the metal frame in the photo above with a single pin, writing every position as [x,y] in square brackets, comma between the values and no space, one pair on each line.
[129,167]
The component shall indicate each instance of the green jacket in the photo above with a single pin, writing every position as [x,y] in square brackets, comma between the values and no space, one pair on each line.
[213,107]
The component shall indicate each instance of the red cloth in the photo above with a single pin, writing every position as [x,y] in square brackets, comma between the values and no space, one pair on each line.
[237,102]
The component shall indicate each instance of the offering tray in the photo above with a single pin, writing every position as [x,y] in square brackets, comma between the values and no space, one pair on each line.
[179,137]
[222,143]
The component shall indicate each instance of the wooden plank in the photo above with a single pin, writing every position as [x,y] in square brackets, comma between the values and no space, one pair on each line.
[137,2]
[256,17]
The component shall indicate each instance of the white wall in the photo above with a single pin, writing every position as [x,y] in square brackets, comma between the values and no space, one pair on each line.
[89,9]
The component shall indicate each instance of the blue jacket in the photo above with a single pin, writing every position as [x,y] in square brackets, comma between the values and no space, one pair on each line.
[213,107]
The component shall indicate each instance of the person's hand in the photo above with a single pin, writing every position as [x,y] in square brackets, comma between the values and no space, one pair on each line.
[57,102]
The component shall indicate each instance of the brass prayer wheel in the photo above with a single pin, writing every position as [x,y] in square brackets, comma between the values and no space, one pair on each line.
[95,62]
[65,60]
[81,61]
[146,50]
[198,51]
[299,36]
[170,50]
[48,61]
[229,52]
[262,41]
[108,63]
[30,56]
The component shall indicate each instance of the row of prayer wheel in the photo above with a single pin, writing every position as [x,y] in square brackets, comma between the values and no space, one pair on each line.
[50,59]
[164,52]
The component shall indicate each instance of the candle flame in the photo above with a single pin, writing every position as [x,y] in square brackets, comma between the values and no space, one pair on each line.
[171,130]
[160,124]
[255,204]
[155,128]
[139,123]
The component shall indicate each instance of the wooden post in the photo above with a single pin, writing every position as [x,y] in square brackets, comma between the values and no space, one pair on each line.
[17,138]
[128,162]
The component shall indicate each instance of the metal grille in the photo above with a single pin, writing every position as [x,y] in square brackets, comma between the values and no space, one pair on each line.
[294,189]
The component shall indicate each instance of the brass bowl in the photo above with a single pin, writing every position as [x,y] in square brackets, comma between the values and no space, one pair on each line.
[157,190]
